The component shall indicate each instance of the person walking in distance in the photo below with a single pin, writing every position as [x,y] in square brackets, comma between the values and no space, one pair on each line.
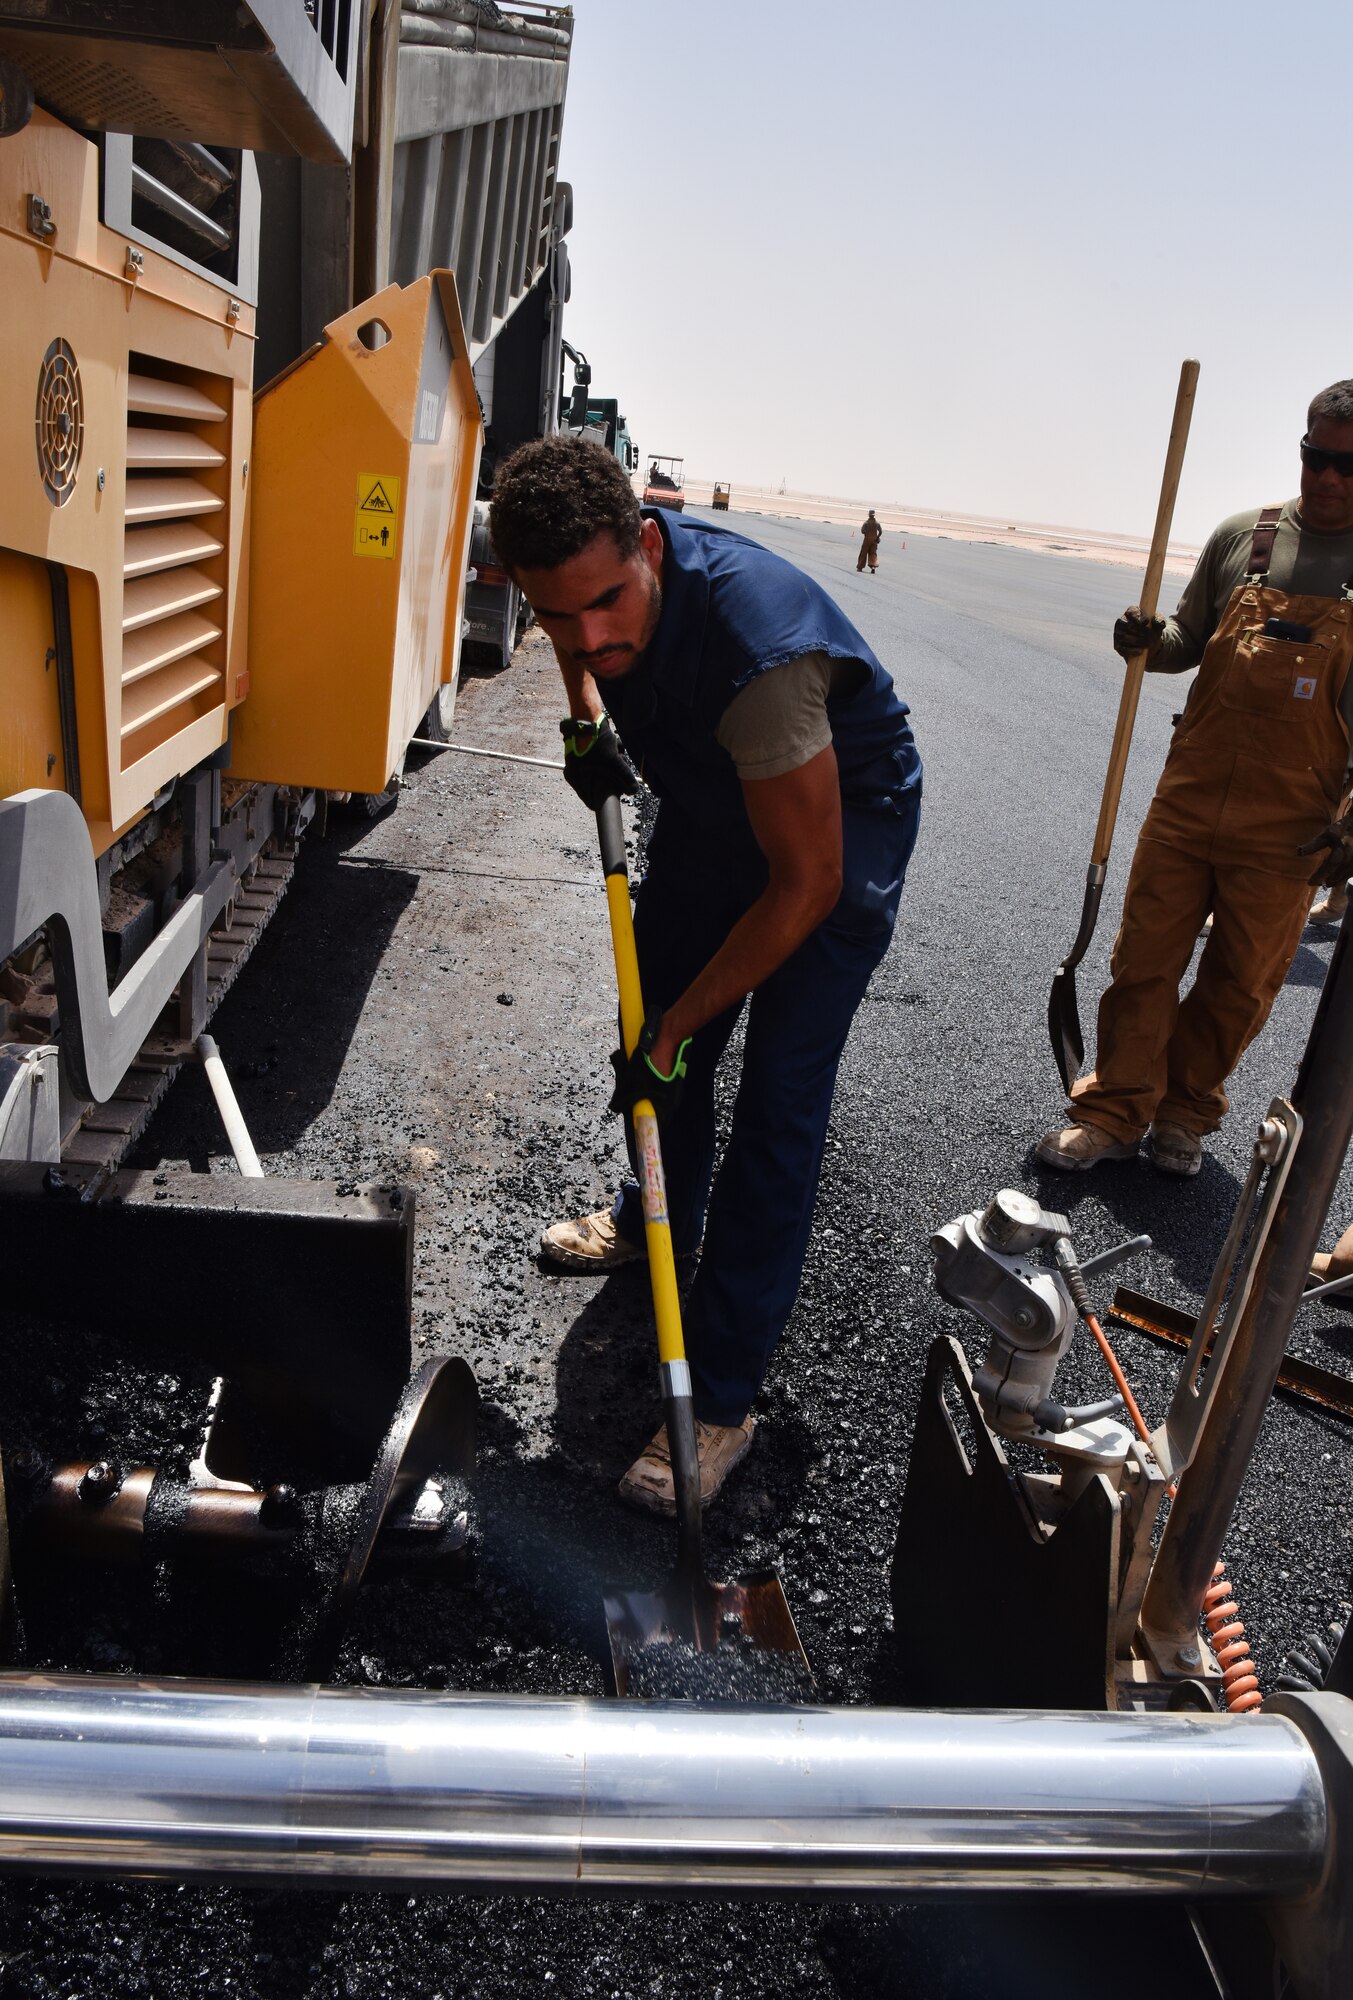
[789,794]
[1255,785]
[871,534]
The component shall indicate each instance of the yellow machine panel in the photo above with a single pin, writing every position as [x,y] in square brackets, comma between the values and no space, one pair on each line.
[131,379]
[30,721]
[362,481]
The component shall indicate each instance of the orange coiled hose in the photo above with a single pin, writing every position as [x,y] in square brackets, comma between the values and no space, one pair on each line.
[1239,1681]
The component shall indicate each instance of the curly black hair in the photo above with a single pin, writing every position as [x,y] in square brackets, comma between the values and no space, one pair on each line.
[555,495]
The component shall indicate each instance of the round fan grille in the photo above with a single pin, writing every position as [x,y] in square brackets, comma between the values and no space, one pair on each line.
[60,422]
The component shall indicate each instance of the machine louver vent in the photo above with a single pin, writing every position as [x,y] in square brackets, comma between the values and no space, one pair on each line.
[173,623]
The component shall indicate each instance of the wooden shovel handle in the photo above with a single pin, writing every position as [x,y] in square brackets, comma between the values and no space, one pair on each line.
[1155,565]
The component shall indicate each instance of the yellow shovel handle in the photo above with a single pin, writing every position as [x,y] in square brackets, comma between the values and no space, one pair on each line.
[652,1185]
[647,1147]
[626,959]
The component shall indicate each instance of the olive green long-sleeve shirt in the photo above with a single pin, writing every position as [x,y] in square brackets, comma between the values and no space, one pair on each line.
[1306,563]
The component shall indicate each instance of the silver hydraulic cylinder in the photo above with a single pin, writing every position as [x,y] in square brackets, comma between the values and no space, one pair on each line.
[379,1789]
[986,1262]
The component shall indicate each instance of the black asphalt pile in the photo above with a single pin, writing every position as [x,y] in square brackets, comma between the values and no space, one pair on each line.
[734,1670]
[367,1041]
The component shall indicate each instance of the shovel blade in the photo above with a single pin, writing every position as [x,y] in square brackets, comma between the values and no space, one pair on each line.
[1064,1021]
[744,1619]
[1064,1026]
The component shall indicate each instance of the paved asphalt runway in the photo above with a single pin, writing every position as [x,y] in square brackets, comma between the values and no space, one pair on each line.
[434,1003]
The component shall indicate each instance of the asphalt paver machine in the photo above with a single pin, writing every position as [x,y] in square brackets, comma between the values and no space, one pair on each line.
[223,599]
[267,270]
[233,540]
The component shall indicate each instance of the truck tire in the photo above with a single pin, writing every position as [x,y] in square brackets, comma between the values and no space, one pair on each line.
[374,805]
[436,724]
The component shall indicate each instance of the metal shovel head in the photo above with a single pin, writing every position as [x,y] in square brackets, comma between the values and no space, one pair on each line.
[1064,1026]
[729,1641]
[1064,1021]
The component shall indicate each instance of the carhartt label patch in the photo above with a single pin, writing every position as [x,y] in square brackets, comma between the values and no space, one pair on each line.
[1303,689]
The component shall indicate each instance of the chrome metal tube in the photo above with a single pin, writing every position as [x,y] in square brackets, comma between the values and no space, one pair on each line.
[181,1778]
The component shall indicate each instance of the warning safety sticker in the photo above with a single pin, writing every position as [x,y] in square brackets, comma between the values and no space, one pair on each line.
[377,515]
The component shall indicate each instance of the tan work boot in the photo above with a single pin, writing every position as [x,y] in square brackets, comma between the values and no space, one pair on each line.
[1329,906]
[719,1447]
[592,1243]
[1077,1147]
[1173,1148]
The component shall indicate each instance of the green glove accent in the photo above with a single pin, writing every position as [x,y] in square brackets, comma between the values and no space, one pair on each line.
[595,764]
[638,1076]
[678,1069]
[580,733]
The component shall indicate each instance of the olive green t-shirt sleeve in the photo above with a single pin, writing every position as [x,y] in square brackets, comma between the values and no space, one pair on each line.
[779,722]
[1221,566]
[1195,617]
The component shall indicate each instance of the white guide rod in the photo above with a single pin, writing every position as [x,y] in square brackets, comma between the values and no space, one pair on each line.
[241,1145]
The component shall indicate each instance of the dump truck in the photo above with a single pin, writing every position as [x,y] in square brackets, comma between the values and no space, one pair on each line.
[496,612]
[603,423]
[262,264]
[517,378]
[596,417]
[479,115]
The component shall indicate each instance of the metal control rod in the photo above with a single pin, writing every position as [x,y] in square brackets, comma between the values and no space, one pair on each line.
[109,1776]
[241,1145]
[499,756]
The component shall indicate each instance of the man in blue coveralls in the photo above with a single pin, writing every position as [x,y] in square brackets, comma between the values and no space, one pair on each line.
[789,794]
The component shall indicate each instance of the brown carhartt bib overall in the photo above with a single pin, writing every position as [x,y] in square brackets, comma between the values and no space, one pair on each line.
[1256,768]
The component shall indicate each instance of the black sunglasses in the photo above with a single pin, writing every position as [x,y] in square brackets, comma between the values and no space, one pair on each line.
[1320,461]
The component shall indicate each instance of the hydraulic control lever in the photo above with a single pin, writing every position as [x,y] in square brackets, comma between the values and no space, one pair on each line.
[1119,1253]
[992,1264]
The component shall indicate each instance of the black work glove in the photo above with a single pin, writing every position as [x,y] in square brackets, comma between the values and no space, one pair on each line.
[595,764]
[1337,866]
[1134,634]
[635,1076]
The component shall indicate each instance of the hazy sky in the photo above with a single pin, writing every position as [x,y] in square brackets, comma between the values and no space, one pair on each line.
[953,254]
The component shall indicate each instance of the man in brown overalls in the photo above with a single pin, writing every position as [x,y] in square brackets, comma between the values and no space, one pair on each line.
[869,546]
[1255,784]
